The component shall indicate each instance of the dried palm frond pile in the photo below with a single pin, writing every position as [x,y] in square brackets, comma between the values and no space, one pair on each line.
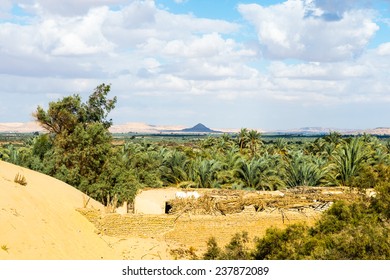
[204,205]
[223,202]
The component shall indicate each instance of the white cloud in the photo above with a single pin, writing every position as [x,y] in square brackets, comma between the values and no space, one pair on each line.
[75,36]
[100,42]
[66,8]
[141,21]
[5,8]
[159,62]
[291,30]
[57,36]
[346,82]
[384,49]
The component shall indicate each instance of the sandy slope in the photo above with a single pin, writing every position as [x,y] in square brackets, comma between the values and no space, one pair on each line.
[39,221]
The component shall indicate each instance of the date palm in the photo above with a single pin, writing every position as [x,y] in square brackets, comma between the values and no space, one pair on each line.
[4,153]
[333,137]
[174,167]
[304,171]
[255,174]
[281,146]
[349,159]
[10,153]
[229,161]
[206,173]
[253,140]
[242,138]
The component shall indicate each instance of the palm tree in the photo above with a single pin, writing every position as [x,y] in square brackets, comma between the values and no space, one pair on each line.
[281,146]
[174,167]
[255,174]
[242,138]
[349,159]
[128,151]
[387,146]
[254,140]
[224,143]
[206,173]
[304,171]
[230,161]
[4,153]
[333,137]
[10,153]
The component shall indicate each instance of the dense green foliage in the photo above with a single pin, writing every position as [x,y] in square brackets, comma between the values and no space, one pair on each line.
[350,231]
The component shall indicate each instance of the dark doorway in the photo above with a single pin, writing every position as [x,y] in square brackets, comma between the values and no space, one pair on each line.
[168,207]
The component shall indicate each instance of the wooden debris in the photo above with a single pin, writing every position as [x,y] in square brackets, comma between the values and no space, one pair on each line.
[224,202]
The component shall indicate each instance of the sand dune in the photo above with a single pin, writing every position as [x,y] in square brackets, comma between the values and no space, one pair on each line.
[40,221]
[142,128]
[20,127]
[116,128]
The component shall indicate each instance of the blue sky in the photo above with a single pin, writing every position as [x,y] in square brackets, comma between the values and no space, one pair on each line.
[228,64]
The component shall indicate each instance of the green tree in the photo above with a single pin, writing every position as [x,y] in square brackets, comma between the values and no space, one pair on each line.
[304,171]
[236,249]
[81,155]
[349,160]
[66,114]
[174,168]
[230,161]
[256,174]
[206,173]
[80,137]
[333,137]
[242,138]
[280,146]
[254,140]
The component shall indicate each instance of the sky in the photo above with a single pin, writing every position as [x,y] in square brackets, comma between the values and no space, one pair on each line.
[224,63]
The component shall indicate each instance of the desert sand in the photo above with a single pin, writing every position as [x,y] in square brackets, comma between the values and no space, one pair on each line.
[40,221]
[20,127]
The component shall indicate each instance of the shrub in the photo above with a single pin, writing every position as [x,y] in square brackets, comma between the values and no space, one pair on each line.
[237,249]
[351,231]
[20,179]
[4,248]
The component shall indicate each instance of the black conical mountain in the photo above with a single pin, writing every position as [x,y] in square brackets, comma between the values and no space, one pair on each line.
[198,128]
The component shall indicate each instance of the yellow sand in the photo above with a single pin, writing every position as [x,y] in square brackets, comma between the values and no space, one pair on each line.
[39,221]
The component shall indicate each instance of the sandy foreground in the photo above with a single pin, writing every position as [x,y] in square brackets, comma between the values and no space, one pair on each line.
[40,221]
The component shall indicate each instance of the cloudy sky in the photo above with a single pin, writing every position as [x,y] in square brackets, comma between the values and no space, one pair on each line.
[225,63]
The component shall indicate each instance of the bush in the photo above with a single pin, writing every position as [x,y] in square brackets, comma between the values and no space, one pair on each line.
[20,179]
[237,249]
[282,244]
[350,231]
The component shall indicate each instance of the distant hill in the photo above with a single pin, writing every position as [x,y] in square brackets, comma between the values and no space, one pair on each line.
[318,131]
[199,128]
[20,127]
[30,127]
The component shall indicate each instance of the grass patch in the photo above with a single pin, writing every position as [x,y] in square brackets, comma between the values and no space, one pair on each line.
[20,179]
[86,200]
[4,248]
